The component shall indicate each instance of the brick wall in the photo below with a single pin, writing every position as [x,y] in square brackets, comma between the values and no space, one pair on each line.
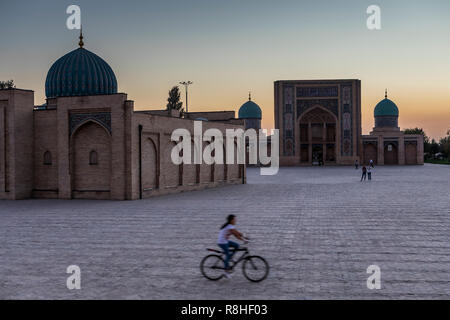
[45,139]
[193,176]
[71,128]
[16,137]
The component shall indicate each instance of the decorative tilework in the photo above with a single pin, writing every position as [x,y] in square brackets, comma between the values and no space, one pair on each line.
[346,121]
[310,92]
[288,121]
[104,118]
[329,104]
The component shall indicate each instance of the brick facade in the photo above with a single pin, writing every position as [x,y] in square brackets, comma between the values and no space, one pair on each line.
[390,146]
[319,121]
[96,147]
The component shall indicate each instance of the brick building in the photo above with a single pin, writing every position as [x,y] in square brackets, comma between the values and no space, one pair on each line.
[386,144]
[88,142]
[320,123]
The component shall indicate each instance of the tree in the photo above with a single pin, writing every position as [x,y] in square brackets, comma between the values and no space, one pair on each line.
[445,145]
[173,101]
[434,147]
[418,131]
[8,84]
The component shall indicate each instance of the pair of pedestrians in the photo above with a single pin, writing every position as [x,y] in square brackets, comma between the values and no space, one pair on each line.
[366,172]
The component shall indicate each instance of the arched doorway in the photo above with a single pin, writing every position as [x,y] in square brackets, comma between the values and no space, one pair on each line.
[225,165]
[318,130]
[219,169]
[317,154]
[390,154]
[370,153]
[172,171]
[205,169]
[234,171]
[149,165]
[91,161]
[190,171]
[411,153]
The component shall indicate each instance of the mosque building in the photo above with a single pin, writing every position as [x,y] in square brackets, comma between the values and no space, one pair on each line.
[320,123]
[88,142]
[386,144]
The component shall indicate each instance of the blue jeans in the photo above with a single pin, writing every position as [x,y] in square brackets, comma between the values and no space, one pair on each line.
[226,249]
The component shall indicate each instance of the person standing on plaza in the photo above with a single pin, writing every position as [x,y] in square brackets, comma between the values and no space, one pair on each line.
[371,163]
[356,164]
[364,173]
[369,173]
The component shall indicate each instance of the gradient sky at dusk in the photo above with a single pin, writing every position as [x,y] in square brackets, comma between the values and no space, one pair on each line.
[231,47]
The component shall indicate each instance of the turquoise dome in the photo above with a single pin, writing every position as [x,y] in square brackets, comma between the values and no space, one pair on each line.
[250,110]
[80,73]
[386,107]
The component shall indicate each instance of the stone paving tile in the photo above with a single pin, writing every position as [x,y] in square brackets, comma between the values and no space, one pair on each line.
[319,228]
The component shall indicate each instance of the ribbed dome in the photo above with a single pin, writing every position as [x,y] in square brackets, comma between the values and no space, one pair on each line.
[386,107]
[80,73]
[250,110]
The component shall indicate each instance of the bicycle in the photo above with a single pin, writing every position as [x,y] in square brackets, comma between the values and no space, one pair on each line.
[254,268]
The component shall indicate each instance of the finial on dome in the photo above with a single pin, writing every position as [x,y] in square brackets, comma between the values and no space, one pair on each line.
[81,43]
[249,96]
[385,94]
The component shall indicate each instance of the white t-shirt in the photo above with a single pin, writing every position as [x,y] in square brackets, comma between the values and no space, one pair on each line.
[225,234]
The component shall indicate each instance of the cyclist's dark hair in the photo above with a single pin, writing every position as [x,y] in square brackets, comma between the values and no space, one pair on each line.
[229,219]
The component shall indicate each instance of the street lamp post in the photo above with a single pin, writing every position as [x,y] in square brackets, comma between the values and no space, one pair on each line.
[186,84]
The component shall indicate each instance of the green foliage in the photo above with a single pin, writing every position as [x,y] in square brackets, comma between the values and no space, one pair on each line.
[8,84]
[173,101]
[445,145]
[434,161]
[431,147]
[417,131]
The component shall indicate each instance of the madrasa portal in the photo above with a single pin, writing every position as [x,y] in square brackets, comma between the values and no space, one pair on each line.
[319,121]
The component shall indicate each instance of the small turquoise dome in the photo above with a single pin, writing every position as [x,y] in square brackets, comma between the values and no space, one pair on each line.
[80,73]
[250,110]
[386,107]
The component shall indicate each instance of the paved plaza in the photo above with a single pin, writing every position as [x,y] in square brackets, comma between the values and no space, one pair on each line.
[319,229]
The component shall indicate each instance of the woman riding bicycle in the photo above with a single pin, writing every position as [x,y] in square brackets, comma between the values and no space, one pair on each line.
[224,243]
[216,266]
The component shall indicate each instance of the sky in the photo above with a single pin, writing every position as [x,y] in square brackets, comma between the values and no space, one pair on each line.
[228,48]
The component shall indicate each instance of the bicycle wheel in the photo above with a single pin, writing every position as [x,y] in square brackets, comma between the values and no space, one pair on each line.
[212,267]
[255,268]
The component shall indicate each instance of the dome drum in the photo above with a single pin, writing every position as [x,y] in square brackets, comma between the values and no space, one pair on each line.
[386,121]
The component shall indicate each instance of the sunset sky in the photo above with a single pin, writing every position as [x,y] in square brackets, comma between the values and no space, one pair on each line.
[228,48]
